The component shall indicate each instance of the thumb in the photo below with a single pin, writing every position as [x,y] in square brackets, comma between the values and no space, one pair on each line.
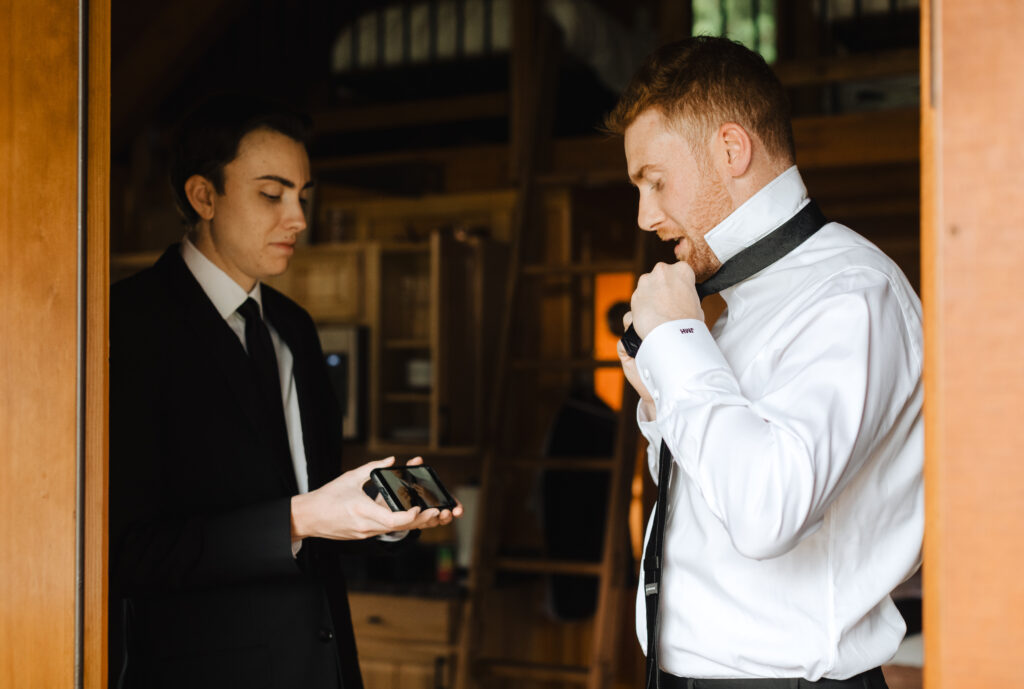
[364,470]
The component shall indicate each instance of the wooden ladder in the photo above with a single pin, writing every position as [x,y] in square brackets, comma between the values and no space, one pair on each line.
[504,581]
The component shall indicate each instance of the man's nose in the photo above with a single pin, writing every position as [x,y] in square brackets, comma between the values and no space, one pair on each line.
[295,219]
[648,215]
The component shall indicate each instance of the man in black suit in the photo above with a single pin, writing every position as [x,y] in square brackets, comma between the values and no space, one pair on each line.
[228,515]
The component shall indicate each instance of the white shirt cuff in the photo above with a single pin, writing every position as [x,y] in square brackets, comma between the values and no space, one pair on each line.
[392,536]
[673,354]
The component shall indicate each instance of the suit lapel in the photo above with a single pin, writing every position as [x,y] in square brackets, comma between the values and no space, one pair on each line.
[225,350]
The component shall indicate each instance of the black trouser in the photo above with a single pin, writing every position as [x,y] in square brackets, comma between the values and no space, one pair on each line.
[872,679]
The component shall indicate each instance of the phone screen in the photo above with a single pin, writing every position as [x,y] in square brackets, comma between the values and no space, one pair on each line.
[416,486]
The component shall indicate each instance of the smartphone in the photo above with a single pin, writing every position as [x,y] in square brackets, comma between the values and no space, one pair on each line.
[406,487]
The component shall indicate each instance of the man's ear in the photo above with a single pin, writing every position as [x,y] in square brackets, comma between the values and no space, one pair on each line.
[201,195]
[735,149]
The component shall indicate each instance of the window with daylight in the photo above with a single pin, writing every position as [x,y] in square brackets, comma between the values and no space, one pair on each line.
[751,22]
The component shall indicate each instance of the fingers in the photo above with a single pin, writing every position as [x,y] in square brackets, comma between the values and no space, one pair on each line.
[627,320]
[624,356]
[415,461]
[683,271]
[415,519]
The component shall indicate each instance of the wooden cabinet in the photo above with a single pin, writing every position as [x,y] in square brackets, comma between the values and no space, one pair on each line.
[426,276]
[405,642]
[329,282]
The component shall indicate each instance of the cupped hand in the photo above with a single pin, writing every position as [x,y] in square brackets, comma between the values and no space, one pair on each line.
[341,510]
[667,293]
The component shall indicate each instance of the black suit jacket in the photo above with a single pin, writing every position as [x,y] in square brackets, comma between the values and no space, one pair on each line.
[204,588]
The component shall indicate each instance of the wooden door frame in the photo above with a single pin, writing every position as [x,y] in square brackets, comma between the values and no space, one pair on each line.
[54,257]
[972,241]
[973,481]
[93,489]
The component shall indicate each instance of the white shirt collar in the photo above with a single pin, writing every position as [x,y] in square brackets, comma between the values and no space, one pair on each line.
[775,203]
[226,294]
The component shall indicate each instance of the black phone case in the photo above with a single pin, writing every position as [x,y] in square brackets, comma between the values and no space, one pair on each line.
[631,341]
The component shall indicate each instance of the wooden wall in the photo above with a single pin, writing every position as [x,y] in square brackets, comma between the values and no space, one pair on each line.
[39,344]
[973,250]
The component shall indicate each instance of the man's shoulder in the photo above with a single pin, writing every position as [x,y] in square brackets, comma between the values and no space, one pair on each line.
[145,305]
[279,301]
[283,311]
[836,250]
[147,284]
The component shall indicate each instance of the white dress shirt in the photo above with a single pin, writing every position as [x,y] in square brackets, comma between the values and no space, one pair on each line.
[796,499]
[227,295]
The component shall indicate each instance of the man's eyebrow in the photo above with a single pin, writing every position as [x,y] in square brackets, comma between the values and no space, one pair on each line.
[286,182]
[639,174]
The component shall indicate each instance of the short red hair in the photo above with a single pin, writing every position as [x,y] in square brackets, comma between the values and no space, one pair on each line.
[702,82]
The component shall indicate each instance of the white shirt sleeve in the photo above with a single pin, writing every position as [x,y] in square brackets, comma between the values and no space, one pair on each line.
[769,468]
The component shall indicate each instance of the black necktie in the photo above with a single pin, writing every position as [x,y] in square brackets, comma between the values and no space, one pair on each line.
[751,260]
[261,353]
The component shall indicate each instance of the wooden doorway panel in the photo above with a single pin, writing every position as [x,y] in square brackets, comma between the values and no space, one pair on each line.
[972,255]
[41,368]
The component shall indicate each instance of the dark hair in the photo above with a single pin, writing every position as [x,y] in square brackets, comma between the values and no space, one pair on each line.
[702,82]
[207,139]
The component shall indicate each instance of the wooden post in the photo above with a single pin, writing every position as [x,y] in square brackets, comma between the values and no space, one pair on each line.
[972,249]
[52,519]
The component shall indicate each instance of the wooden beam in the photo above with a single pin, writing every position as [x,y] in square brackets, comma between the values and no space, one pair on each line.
[858,67]
[38,357]
[412,113]
[974,382]
[867,138]
[97,281]
[883,137]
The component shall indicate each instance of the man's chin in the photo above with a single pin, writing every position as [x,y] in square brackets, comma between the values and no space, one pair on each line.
[702,269]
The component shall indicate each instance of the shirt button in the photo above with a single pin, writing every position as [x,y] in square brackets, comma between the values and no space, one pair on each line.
[655,395]
[647,374]
[326,635]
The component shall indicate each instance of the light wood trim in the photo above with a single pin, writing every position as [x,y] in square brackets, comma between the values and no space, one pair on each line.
[972,245]
[565,674]
[95,668]
[38,350]
[932,314]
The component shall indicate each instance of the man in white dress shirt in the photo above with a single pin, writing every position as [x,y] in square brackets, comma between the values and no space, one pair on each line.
[795,504]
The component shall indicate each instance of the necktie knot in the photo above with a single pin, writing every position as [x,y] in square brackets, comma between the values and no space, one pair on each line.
[250,311]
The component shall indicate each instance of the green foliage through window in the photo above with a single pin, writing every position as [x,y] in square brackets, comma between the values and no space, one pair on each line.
[751,22]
